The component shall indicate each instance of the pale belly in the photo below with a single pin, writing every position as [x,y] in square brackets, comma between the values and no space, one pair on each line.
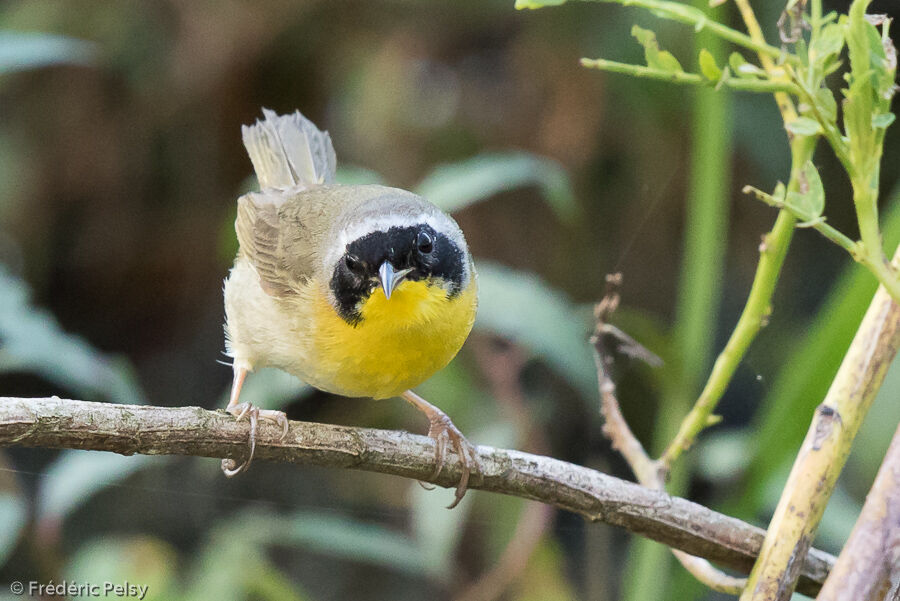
[399,344]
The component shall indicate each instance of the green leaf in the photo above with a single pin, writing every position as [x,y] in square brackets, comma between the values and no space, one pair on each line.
[139,560]
[533,4]
[21,50]
[871,80]
[238,541]
[458,185]
[545,577]
[75,476]
[723,454]
[828,43]
[32,341]
[708,66]
[435,530]
[522,308]
[656,58]
[883,120]
[742,68]
[826,103]
[804,126]
[340,536]
[809,201]
[330,535]
[350,175]
[13,517]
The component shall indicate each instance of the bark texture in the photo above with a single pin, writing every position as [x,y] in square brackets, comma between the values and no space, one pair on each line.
[129,429]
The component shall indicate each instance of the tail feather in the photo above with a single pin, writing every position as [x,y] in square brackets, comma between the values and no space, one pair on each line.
[289,150]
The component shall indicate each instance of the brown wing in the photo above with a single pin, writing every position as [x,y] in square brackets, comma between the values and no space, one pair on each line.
[279,236]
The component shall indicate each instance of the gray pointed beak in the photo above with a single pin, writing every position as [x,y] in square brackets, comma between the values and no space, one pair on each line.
[390,278]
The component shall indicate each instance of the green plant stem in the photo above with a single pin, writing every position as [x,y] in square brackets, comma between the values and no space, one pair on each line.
[681,77]
[819,225]
[772,252]
[825,450]
[700,21]
[874,261]
[754,316]
[865,198]
[781,421]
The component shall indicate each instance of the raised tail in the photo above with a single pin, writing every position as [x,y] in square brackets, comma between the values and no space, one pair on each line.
[288,150]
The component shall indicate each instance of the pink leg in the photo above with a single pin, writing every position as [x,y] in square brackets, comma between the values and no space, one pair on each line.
[442,430]
[239,410]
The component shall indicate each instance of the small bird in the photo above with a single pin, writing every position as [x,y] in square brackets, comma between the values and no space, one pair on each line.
[358,290]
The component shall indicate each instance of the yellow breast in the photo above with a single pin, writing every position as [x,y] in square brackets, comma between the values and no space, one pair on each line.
[399,343]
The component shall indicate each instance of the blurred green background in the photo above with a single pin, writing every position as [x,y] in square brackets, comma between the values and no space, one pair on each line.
[120,163]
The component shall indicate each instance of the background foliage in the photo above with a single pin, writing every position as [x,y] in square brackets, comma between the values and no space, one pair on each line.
[120,160]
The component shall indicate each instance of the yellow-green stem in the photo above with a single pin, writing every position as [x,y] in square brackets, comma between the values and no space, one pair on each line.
[772,252]
[735,83]
[825,451]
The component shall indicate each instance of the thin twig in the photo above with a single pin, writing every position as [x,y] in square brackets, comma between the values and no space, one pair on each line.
[128,429]
[648,472]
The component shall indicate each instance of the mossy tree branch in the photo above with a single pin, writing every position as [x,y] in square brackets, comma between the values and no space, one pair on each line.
[129,429]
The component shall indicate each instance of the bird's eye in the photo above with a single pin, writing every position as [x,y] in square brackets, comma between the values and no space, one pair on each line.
[353,263]
[424,243]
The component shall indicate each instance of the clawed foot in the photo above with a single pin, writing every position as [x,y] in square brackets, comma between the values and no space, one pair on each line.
[442,430]
[241,410]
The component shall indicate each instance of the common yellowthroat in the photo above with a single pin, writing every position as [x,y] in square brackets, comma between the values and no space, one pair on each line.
[358,290]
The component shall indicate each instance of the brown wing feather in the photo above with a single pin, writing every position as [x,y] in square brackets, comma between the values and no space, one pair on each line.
[278,241]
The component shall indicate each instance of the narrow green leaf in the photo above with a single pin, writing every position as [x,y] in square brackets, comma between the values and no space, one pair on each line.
[656,58]
[534,4]
[708,66]
[828,43]
[524,309]
[75,476]
[32,341]
[860,94]
[826,103]
[140,560]
[348,538]
[13,517]
[804,126]
[351,175]
[457,185]
[328,534]
[21,50]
